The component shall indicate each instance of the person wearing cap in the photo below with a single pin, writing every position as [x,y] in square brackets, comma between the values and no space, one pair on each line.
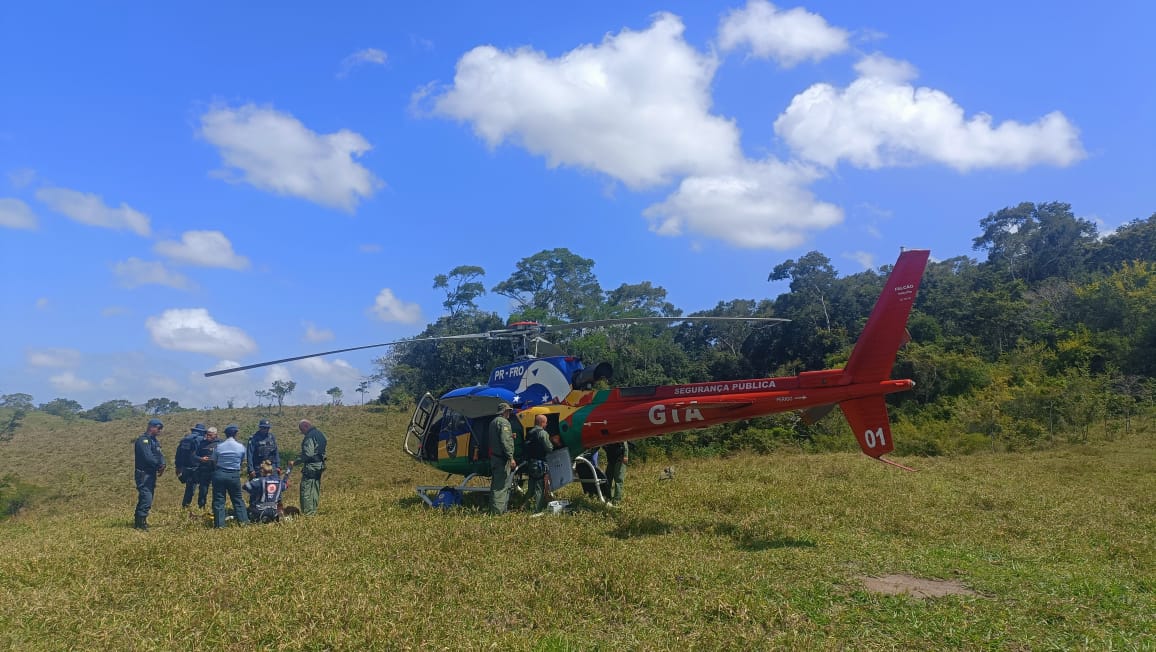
[312,462]
[262,446]
[187,463]
[204,457]
[502,463]
[150,463]
[228,458]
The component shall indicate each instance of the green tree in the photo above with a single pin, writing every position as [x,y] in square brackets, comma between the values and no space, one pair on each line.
[110,411]
[462,286]
[281,389]
[8,428]
[62,407]
[335,395]
[553,285]
[363,389]
[159,406]
[16,401]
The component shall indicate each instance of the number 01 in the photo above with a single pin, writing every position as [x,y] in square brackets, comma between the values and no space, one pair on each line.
[875,437]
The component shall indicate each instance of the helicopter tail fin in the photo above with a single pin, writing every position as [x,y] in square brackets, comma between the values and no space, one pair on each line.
[874,354]
[886,329]
[868,419]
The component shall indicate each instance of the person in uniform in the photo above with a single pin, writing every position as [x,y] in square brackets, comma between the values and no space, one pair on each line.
[204,456]
[265,494]
[312,463]
[187,462]
[538,446]
[150,464]
[502,465]
[617,455]
[262,446]
[228,458]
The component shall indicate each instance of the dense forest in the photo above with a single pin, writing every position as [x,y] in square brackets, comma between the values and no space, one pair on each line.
[1052,333]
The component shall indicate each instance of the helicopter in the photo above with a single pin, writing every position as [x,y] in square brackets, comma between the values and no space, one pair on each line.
[449,432]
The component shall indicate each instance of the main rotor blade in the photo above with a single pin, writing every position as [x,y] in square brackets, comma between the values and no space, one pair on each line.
[230,370]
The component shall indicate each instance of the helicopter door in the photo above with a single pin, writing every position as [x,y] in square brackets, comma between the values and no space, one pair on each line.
[419,425]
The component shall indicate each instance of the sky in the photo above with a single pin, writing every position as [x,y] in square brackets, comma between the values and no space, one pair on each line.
[185,188]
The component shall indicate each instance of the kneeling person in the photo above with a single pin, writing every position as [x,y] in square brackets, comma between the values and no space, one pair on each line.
[265,494]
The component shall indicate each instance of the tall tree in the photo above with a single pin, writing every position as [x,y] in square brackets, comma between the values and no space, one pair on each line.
[335,395]
[462,286]
[281,389]
[110,410]
[554,285]
[16,401]
[159,406]
[61,407]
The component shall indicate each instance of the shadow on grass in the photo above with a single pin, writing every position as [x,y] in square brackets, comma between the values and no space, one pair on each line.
[751,541]
[630,527]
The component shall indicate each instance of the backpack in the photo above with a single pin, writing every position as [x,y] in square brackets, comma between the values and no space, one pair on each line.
[186,452]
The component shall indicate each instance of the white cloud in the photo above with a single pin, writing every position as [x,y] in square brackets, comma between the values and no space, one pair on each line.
[368,55]
[15,214]
[315,334]
[881,120]
[387,307]
[135,272]
[274,151]
[88,208]
[865,259]
[69,383]
[202,248]
[789,37]
[635,107]
[193,329]
[761,205]
[277,372]
[331,372]
[62,358]
[22,178]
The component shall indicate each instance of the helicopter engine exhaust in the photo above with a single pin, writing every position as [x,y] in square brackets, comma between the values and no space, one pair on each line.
[586,378]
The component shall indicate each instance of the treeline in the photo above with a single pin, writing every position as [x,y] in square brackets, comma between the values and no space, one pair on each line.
[1052,332]
[19,404]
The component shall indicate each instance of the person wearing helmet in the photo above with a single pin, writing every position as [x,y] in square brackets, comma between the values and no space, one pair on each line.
[204,456]
[502,463]
[228,458]
[150,463]
[262,446]
[187,461]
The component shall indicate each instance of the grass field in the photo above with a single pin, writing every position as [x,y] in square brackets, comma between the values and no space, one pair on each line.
[748,552]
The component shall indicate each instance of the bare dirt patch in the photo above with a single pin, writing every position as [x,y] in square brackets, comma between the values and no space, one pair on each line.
[916,587]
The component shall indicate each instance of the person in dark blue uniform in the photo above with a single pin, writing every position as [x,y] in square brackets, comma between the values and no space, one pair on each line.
[150,463]
[187,462]
[228,458]
[204,457]
[262,446]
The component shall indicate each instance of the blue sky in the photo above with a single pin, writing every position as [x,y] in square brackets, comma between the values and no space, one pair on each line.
[185,189]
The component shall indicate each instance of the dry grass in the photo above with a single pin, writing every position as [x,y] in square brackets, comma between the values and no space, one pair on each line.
[750,552]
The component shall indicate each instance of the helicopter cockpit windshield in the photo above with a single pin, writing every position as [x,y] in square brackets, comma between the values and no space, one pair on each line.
[453,431]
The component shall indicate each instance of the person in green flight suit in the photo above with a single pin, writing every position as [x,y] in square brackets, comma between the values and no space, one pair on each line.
[502,462]
[617,455]
[312,463]
[538,446]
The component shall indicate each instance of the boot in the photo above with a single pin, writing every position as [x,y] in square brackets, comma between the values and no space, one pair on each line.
[141,523]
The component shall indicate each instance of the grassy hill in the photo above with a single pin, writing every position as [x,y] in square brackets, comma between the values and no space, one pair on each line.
[748,552]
